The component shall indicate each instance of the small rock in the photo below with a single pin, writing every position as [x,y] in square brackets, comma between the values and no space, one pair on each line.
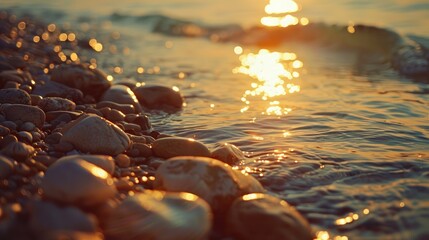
[15,96]
[4,131]
[63,147]
[90,81]
[53,138]
[94,134]
[228,153]
[35,99]
[54,89]
[27,126]
[124,108]
[144,150]
[123,95]
[48,104]
[18,151]
[77,182]
[56,114]
[123,160]
[6,167]
[208,178]
[8,139]
[47,218]
[24,113]
[158,97]
[112,114]
[107,163]
[261,216]
[10,125]
[178,146]
[25,137]
[159,215]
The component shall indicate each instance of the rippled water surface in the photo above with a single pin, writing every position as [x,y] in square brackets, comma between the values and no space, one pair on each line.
[344,140]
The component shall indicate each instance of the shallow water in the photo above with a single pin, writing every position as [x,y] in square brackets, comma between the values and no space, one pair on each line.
[344,140]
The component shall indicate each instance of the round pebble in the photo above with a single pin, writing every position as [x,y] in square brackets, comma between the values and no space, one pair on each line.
[177,146]
[123,95]
[107,163]
[24,113]
[228,153]
[77,182]
[261,216]
[6,167]
[15,96]
[93,134]
[160,215]
[208,178]
[159,97]
[18,151]
[48,104]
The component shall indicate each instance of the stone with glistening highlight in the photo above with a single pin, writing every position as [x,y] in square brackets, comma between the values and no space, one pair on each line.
[93,134]
[77,182]
[159,215]
[261,216]
[214,181]
[169,147]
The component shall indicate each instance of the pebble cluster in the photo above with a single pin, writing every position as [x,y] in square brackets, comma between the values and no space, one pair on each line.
[79,158]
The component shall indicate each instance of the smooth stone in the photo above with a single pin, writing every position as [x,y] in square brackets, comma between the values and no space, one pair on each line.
[15,96]
[228,153]
[54,89]
[24,136]
[6,167]
[77,182]
[11,85]
[261,216]
[107,163]
[158,97]
[55,114]
[214,181]
[18,151]
[24,113]
[27,126]
[4,131]
[177,146]
[160,216]
[48,104]
[96,135]
[122,161]
[47,217]
[144,150]
[10,125]
[124,108]
[90,81]
[35,99]
[123,95]
[141,120]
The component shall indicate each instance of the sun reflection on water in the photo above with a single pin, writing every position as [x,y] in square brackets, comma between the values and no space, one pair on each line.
[274,72]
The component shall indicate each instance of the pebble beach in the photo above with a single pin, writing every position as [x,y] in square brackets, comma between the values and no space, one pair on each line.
[80,159]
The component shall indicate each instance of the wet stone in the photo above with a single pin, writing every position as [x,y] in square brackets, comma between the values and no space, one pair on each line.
[159,97]
[208,178]
[15,96]
[107,163]
[123,95]
[77,182]
[48,104]
[124,108]
[261,216]
[24,113]
[159,215]
[228,153]
[25,137]
[54,89]
[122,160]
[178,146]
[93,134]
[90,81]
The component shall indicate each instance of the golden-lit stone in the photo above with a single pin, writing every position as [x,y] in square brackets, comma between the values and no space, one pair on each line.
[159,97]
[208,178]
[177,146]
[77,182]
[261,216]
[228,153]
[107,163]
[93,134]
[160,215]
[122,94]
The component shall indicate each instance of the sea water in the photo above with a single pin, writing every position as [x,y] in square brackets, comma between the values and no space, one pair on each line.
[345,140]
